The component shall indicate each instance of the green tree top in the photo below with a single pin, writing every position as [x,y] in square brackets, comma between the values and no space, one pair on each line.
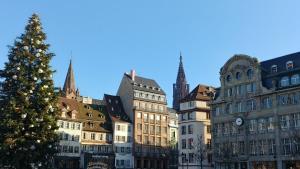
[28,102]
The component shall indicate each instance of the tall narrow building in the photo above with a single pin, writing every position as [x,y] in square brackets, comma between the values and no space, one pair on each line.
[69,90]
[145,103]
[180,88]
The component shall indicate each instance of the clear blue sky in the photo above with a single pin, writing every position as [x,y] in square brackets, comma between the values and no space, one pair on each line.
[108,38]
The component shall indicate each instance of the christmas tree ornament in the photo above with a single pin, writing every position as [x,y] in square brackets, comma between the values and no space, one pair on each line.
[38,42]
[35,78]
[38,141]
[31,125]
[23,116]
[45,86]
[38,55]
[32,147]
[39,50]
[46,99]
[40,71]
[15,77]
[18,68]
[51,110]
[49,127]
[26,48]
[26,134]
[30,91]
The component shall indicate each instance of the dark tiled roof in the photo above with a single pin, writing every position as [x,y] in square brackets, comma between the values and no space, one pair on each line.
[268,77]
[145,84]
[201,92]
[69,105]
[87,113]
[99,117]
[281,62]
[115,108]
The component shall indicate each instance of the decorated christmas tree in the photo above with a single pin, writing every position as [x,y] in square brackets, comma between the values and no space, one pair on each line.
[28,103]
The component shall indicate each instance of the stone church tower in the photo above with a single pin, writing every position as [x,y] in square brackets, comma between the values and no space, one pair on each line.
[180,88]
[69,90]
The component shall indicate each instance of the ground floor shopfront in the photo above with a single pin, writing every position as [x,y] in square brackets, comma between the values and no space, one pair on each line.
[151,163]
[280,164]
[65,162]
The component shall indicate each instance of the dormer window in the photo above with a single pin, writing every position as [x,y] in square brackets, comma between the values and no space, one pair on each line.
[285,81]
[289,65]
[90,114]
[109,100]
[73,115]
[295,79]
[274,69]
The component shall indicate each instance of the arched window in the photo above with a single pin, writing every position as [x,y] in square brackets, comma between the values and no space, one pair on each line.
[295,79]
[274,69]
[285,81]
[228,78]
[238,75]
[229,108]
[289,65]
[249,73]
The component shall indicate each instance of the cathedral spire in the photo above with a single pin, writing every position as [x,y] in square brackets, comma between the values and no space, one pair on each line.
[180,88]
[69,86]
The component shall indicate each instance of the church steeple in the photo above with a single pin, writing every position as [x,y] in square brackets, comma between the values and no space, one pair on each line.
[180,88]
[69,86]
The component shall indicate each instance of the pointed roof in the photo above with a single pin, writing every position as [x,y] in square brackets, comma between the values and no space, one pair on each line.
[69,85]
[180,74]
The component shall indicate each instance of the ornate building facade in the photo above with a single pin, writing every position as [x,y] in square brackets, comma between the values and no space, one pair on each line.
[255,114]
[180,88]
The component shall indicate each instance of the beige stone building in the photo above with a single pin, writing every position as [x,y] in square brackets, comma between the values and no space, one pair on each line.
[145,104]
[195,129]
[255,114]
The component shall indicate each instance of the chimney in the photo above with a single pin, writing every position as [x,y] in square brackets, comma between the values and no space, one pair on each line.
[132,74]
